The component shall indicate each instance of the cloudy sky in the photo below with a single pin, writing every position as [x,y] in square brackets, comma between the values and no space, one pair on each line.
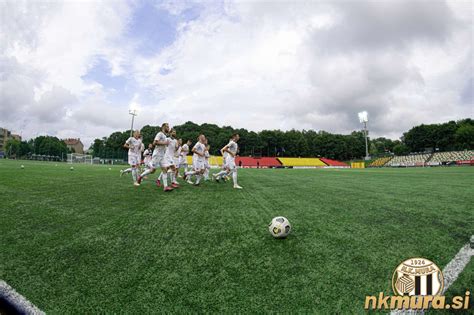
[74,68]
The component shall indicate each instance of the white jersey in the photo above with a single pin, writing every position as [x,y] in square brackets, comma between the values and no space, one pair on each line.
[171,148]
[160,149]
[134,146]
[199,147]
[232,147]
[184,150]
[147,155]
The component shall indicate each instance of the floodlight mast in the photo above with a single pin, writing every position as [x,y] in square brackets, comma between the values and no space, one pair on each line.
[364,119]
[132,112]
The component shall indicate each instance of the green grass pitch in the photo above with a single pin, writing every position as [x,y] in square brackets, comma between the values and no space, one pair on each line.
[87,241]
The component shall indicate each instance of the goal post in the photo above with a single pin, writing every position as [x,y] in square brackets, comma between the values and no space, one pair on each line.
[79,158]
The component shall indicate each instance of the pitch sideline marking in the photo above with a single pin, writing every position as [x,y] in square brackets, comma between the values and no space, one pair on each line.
[19,302]
[451,272]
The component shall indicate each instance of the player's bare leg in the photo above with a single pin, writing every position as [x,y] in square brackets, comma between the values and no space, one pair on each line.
[148,171]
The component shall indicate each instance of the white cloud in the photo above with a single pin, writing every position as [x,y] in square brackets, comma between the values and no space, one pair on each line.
[46,49]
[252,64]
[315,65]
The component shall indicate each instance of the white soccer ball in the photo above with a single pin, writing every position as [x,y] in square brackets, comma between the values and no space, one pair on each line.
[72,168]
[280,227]
[22,166]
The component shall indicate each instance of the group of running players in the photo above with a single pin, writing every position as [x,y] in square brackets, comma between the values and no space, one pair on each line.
[170,155]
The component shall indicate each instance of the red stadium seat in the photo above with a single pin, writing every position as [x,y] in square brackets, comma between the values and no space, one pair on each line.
[330,162]
[254,162]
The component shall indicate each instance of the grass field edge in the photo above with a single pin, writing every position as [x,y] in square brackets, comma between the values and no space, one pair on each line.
[15,300]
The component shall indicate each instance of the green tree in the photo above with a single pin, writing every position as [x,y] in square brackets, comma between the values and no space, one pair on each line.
[401,149]
[12,148]
[464,137]
[52,146]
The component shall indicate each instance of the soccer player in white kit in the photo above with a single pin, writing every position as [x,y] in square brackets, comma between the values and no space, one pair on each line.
[183,153]
[147,155]
[231,148]
[198,161]
[158,158]
[176,158]
[225,171]
[130,169]
[207,167]
[170,154]
[134,146]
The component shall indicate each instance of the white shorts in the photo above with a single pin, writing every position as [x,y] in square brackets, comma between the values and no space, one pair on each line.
[159,161]
[169,161]
[230,162]
[147,160]
[133,159]
[198,164]
[182,162]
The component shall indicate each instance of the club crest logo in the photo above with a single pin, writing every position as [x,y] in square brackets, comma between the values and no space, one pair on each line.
[417,276]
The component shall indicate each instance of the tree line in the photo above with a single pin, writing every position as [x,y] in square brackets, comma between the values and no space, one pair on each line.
[452,135]
[41,145]
[307,143]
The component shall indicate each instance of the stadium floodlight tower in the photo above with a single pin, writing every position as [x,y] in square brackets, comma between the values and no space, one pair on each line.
[134,112]
[364,119]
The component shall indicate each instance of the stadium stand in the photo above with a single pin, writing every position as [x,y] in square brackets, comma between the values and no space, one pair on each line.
[409,160]
[380,161]
[257,162]
[301,162]
[440,158]
[335,163]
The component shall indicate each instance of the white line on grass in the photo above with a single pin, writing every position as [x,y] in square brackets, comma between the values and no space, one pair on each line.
[451,272]
[454,268]
[21,304]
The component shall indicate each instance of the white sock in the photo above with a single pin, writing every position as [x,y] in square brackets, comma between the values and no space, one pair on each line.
[164,179]
[190,173]
[221,173]
[145,173]
[234,177]
[134,175]
[206,174]
[198,179]
[128,170]
[160,176]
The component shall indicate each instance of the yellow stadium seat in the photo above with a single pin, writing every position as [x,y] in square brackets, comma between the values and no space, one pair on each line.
[213,160]
[357,164]
[313,162]
[380,162]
